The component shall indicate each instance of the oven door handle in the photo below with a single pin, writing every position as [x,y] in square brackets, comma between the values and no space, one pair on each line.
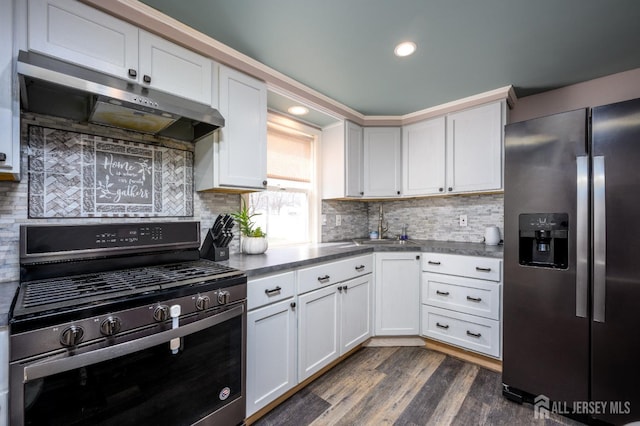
[48,367]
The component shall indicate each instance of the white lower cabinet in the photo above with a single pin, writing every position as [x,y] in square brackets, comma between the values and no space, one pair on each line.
[271,339]
[355,311]
[318,330]
[461,301]
[331,322]
[336,317]
[397,292]
[271,353]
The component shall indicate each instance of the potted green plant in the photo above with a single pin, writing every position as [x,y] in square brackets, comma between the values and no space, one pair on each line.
[254,240]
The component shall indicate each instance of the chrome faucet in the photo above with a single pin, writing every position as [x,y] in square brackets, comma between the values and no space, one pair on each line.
[382,226]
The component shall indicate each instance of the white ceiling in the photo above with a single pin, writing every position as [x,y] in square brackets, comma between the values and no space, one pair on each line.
[344,48]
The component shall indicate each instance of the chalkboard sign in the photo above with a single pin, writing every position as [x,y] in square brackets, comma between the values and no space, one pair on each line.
[123,179]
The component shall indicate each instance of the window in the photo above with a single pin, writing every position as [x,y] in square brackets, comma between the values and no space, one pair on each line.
[288,208]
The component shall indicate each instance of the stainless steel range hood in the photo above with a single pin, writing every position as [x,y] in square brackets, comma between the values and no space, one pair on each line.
[54,87]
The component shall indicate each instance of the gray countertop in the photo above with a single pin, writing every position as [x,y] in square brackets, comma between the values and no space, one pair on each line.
[287,258]
[283,259]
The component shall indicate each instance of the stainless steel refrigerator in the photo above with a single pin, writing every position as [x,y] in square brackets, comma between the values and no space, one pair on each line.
[572,262]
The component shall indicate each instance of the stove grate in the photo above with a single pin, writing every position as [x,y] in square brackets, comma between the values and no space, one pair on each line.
[127,281]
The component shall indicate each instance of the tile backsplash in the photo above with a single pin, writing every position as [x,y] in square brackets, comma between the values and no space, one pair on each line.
[437,218]
[434,218]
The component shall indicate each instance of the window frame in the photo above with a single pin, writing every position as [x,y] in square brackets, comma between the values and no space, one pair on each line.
[285,124]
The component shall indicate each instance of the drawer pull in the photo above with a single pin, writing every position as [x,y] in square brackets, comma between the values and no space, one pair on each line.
[273,291]
[474,299]
[324,279]
[479,269]
[442,293]
[431,262]
[476,335]
[360,268]
[445,326]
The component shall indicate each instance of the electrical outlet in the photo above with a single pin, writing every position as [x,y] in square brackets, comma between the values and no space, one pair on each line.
[463,220]
[324,220]
[338,220]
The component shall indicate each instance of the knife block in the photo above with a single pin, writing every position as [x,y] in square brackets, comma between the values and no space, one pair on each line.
[211,252]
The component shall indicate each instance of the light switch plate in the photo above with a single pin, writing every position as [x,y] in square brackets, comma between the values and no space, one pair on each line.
[463,220]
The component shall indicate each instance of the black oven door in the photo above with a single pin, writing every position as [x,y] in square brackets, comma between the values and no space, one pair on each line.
[142,381]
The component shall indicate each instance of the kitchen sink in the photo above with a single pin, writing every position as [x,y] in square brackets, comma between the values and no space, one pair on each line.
[383,241]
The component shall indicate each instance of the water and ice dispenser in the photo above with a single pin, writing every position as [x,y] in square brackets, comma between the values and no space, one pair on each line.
[544,241]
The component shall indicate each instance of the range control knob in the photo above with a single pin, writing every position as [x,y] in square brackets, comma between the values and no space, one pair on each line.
[161,313]
[71,336]
[202,303]
[110,326]
[223,297]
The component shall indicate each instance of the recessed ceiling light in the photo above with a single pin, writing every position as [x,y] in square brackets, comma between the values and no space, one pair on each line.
[405,48]
[298,110]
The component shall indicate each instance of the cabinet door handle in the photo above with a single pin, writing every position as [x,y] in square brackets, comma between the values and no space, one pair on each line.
[273,291]
[441,189]
[480,269]
[442,293]
[450,188]
[431,262]
[476,335]
[324,279]
[146,78]
[264,183]
[474,299]
[293,305]
[3,156]
[360,268]
[345,288]
[445,326]
[340,289]
[132,73]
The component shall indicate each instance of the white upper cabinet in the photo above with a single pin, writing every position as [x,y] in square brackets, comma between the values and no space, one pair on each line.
[474,149]
[174,69]
[235,156]
[74,32]
[342,161]
[9,108]
[423,157]
[382,149]
[354,145]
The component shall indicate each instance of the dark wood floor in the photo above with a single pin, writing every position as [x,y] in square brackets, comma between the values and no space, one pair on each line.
[404,386]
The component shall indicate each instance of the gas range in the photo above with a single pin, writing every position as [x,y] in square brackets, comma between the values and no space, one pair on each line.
[99,293]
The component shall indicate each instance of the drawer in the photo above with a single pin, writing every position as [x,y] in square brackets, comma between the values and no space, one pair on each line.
[269,289]
[483,268]
[466,295]
[328,273]
[467,331]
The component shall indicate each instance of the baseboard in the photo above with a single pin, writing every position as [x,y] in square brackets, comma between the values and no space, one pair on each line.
[382,341]
[475,358]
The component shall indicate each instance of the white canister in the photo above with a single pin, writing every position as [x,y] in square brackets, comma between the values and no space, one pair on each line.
[492,236]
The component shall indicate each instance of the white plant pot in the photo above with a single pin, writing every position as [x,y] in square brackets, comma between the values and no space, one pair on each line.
[254,245]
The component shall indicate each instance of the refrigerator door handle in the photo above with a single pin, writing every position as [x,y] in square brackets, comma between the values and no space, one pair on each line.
[599,240]
[582,235]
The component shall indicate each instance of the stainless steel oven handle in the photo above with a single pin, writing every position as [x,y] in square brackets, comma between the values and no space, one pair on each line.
[599,240]
[48,367]
[582,236]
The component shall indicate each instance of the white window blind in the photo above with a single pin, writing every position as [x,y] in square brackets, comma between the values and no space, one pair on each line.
[288,156]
